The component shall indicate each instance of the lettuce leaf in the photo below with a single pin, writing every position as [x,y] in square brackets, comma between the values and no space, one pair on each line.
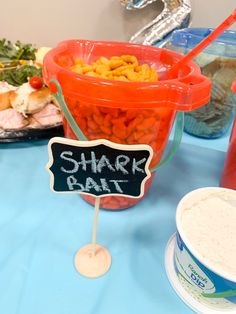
[19,75]
[18,51]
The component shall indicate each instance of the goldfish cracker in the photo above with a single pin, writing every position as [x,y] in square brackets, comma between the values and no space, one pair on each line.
[123,68]
[92,125]
[117,202]
[77,68]
[101,69]
[127,126]
[146,138]
[138,135]
[79,62]
[145,70]
[104,60]
[87,68]
[119,125]
[119,130]
[90,73]
[123,126]
[115,64]
[130,59]
[107,121]
[105,130]
[122,78]
[98,119]
[133,124]
[153,75]
[146,123]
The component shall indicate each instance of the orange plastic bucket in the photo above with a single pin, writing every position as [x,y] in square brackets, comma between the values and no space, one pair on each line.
[125,112]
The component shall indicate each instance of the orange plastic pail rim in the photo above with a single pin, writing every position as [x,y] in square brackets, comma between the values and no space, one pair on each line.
[188,91]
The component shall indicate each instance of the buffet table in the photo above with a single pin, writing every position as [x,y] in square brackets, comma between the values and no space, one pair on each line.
[40,232]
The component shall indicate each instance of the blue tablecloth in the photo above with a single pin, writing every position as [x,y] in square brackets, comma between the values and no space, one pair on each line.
[40,231]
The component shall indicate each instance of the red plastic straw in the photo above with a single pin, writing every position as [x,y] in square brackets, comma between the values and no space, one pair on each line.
[173,72]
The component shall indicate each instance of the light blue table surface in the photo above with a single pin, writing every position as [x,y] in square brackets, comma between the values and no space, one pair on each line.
[40,231]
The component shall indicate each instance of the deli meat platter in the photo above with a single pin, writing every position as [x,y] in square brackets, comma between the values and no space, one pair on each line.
[28,109]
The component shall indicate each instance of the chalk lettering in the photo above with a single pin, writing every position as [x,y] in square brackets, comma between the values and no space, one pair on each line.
[83,162]
[91,162]
[63,156]
[105,185]
[101,168]
[119,163]
[71,182]
[117,186]
[94,162]
[104,162]
[136,164]
[91,184]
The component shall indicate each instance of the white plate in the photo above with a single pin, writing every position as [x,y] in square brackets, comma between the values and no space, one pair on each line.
[193,303]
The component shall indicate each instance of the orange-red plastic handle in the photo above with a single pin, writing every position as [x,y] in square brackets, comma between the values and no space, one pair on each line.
[196,91]
[233,87]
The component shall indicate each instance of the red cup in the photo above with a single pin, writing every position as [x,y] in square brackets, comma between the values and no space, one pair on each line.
[228,178]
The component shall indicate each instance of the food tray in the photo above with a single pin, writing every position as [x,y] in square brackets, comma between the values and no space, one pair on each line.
[26,134]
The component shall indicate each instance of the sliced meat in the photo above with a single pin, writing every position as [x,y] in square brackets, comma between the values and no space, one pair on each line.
[10,119]
[49,115]
[33,124]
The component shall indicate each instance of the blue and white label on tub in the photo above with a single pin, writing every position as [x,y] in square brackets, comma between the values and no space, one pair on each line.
[190,271]
[206,287]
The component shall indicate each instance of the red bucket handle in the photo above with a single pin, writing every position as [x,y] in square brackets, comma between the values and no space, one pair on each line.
[195,88]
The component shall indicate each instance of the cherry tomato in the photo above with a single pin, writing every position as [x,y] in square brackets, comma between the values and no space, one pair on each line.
[36,82]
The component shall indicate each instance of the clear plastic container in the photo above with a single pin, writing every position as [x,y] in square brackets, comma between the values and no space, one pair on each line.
[218,63]
[125,112]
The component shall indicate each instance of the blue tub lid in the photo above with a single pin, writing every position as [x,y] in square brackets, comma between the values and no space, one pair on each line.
[224,45]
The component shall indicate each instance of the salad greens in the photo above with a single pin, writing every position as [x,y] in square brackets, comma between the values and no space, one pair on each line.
[11,69]
[19,75]
[10,52]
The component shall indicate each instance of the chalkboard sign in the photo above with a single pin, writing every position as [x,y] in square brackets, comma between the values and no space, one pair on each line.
[98,167]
